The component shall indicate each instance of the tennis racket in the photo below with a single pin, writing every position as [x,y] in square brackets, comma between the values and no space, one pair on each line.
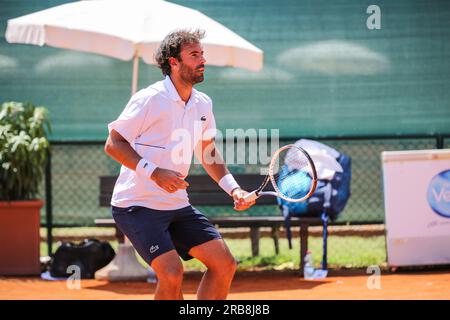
[292,174]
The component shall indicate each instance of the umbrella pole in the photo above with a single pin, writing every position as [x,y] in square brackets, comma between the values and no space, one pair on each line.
[134,82]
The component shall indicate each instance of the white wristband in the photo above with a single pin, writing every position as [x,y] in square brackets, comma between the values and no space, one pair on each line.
[228,184]
[145,168]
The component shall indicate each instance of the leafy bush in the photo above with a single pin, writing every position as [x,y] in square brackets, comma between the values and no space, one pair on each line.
[23,149]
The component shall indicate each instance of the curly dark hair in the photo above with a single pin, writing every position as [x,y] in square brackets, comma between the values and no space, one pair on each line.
[172,44]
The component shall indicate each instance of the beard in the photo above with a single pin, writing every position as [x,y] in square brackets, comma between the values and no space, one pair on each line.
[191,75]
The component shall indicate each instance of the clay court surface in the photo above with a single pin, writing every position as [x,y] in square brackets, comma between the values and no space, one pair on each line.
[247,286]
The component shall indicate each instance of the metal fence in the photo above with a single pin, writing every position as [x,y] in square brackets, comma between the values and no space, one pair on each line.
[72,180]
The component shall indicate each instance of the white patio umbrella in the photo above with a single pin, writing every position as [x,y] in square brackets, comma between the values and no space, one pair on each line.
[129,29]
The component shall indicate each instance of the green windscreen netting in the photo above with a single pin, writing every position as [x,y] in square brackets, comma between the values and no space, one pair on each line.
[325,73]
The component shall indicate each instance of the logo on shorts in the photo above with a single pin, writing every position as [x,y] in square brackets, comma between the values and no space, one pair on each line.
[154,248]
[203,118]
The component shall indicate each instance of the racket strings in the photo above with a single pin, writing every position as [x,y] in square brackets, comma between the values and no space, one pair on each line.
[294,175]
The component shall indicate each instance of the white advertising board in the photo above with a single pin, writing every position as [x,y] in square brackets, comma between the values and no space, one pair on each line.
[417,206]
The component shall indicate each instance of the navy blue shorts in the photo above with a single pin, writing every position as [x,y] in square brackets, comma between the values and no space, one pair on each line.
[154,232]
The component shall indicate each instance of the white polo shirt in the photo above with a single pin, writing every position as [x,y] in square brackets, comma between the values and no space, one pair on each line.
[165,131]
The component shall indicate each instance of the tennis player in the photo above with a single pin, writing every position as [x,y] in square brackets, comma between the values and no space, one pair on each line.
[150,204]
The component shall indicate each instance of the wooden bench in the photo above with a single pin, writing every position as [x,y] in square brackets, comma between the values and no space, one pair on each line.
[203,191]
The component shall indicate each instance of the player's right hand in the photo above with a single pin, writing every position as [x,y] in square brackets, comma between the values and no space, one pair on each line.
[169,180]
[239,203]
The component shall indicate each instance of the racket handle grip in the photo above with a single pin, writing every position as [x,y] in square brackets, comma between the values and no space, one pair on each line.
[252,196]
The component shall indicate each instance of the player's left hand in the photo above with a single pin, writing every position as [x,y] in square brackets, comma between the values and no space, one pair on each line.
[239,203]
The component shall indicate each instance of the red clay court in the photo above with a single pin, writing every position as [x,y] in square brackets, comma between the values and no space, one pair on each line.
[247,286]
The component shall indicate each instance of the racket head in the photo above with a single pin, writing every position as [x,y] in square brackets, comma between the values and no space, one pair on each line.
[292,173]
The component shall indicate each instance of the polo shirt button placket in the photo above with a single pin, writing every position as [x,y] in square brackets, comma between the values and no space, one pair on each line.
[186,118]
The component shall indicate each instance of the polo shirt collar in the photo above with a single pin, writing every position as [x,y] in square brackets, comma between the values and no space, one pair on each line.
[173,93]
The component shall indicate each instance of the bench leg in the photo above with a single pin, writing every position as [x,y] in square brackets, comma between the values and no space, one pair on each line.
[325,238]
[254,235]
[303,244]
[119,235]
[275,236]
